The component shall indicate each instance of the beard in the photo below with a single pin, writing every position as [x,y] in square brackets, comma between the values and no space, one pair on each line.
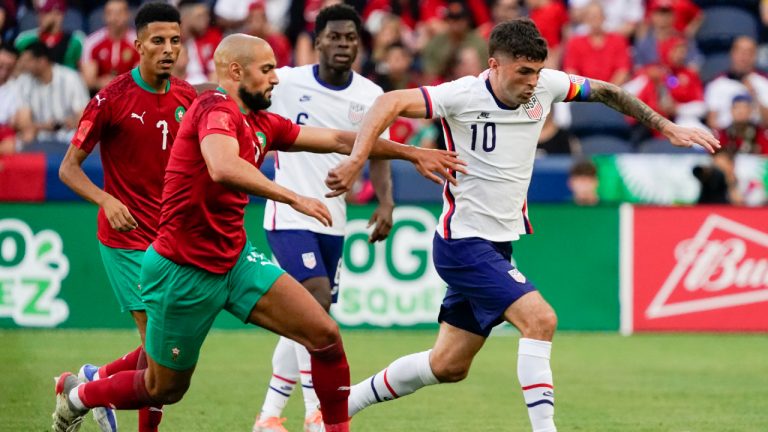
[254,101]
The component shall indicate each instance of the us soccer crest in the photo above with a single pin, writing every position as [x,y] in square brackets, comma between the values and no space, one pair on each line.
[534,109]
[356,112]
[309,260]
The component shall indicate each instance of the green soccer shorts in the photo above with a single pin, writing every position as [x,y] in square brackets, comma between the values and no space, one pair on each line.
[183,301]
[123,267]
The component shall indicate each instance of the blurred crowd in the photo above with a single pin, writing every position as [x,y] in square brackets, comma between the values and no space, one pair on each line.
[696,62]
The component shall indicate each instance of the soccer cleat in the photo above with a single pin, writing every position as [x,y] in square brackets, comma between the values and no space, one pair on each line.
[66,418]
[314,423]
[104,417]
[269,424]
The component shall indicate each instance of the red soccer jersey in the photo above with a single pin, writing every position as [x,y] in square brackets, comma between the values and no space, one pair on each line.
[114,57]
[201,223]
[136,128]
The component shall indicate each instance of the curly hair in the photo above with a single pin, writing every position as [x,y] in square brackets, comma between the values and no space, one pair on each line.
[518,38]
[156,12]
[337,12]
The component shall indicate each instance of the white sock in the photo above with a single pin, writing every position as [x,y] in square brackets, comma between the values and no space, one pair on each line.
[403,377]
[74,397]
[285,374]
[535,377]
[311,402]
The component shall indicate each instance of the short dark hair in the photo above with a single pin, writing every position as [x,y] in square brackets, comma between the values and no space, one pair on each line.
[518,38]
[584,167]
[156,12]
[39,50]
[337,12]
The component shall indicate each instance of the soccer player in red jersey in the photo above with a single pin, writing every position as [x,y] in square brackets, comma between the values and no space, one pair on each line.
[135,118]
[202,262]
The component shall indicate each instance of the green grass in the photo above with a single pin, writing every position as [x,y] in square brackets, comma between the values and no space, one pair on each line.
[604,382]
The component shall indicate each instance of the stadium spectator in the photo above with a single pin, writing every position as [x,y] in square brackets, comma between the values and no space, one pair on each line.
[743,135]
[65,47]
[670,87]
[257,24]
[501,10]
[200,40]
[9,101]
[390,30]
[231,15]
[615,63]
[395,71]
[52,99]
[582,182]
[660,27]
[621,16]
[551,17]
[741,78]
[109,51]
[8,22]
[436,56]
[687,16]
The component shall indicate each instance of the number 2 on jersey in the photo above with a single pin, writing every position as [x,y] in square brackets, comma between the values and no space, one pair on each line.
[489,144]
[164,125]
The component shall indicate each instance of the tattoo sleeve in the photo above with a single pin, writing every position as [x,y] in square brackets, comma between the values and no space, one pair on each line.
[623,102]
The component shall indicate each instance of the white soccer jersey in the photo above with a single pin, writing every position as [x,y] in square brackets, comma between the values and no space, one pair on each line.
[303,98]
[499,145]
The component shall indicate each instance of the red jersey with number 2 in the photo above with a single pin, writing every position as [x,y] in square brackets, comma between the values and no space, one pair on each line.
[135,128]
[201,223]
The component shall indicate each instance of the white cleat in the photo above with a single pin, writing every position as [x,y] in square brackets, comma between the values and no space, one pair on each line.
[66,418]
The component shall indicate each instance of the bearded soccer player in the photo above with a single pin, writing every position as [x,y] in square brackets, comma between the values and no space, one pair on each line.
[494,121]
[327,94]
[135,119]
[202,262]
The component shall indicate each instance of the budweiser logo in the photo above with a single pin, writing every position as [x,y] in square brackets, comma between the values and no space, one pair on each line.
[725,264]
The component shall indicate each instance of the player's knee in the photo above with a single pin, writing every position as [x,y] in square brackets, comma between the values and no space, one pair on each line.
[324,334]
[544,325]
[449,373]
[167,393]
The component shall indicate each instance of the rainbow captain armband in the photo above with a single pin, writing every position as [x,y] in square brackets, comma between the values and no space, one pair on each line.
[579,89]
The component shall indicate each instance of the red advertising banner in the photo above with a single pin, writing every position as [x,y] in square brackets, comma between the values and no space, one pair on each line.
[694,269]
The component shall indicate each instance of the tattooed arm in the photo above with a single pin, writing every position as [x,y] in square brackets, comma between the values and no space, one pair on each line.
[627,104]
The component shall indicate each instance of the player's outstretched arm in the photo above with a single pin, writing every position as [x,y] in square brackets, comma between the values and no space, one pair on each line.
[71,174]
[225,166]
[427,161]
[625,103]
[386,108]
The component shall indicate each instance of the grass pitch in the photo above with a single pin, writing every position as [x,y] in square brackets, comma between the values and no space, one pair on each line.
[604,382]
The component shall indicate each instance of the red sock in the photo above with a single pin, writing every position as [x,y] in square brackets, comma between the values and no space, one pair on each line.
[127,362]
[330,375]
[123,390]
[149,417]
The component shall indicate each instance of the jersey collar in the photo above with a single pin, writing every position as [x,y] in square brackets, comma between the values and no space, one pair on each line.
[220,89]
[501,104]
[136,75]
[316,73]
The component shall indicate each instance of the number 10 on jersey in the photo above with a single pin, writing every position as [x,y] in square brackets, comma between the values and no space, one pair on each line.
[489,136]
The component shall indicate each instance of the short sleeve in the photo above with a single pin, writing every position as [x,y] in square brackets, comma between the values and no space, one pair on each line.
[95,119]
[217,121]
[564,87]
[448,98]
[284,132]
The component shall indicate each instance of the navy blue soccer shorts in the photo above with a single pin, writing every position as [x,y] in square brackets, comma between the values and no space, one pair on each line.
[304,254]
[482,282]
